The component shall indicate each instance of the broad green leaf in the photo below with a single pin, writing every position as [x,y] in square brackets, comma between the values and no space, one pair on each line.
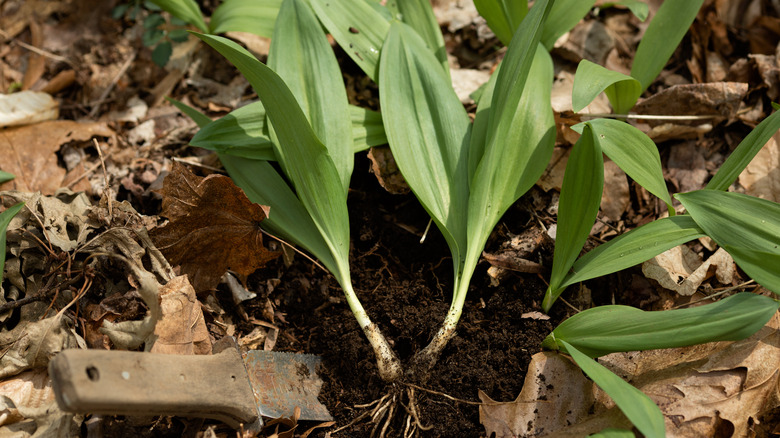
[760,265]
[300,53]
[242,132]
[358,28]
[743,223]
[428,131]
[186,10]
[5,219]
[287,218]
[313,173]
[633,247]
[252,16]
[564,15]
[637,407]
[515,136]
[503,16]
[367,128]
[578,207]
[419,15]
[591,79]
[663,35]
[744,153]
[609,329]
[637,7]
[632,151]
[5,176]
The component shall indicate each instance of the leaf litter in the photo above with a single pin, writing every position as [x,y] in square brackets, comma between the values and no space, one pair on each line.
[296,292]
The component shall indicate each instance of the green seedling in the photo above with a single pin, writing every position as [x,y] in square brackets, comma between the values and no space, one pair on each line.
[310,129]
[158,33]
[466,176]
[250,16]
[663,35]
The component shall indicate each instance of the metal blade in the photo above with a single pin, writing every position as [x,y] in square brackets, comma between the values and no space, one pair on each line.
[281,381]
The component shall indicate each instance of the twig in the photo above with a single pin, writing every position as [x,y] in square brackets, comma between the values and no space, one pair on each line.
[648,116]
[43,52]
[111,86]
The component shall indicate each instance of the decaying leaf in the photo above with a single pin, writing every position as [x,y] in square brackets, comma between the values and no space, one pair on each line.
[719,99]
[181,328]
[615,197]
[555,393]
[386,170]
[28,408]
[702,389]
[681,270]
[31,344]
[213,227]
[29,152]
[761,178]
[27,107]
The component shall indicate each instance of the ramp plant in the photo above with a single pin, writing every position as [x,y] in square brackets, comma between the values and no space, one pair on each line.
[310,132]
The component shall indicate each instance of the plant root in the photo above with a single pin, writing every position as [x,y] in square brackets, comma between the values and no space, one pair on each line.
[387,410]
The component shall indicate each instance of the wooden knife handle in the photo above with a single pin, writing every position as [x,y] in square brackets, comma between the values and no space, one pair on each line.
[132,383]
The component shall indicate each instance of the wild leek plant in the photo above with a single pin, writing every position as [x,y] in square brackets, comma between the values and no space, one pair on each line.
[310,130]
[467,176]
[748,228]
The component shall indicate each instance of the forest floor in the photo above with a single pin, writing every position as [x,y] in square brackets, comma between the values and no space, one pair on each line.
[115,138]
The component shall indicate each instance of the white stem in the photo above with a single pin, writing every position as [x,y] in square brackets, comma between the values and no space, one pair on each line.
[386,360]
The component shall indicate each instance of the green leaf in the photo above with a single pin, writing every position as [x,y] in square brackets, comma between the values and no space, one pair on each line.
[637,407]
[162,53]
[153,21]
[358,28]
[428,131]
[503,16]
[5,219]
[152,36]
[287,218]
[744,153]
[613,433]
[367,128]
[419,16]
[242,132]
[743,223]
[300,53]
[5,176]
[178,35]
[633,247]
[513,134]
[632,151]
[250,16]
[663,35]
[637,7]
[303,157]
[119,11]
[609,329]
[578,207]
[186,10]
[591,79]
[564,15]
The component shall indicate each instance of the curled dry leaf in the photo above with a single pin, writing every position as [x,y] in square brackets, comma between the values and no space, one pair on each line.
[181,328]
[555,393]
[213,227]
[681,270]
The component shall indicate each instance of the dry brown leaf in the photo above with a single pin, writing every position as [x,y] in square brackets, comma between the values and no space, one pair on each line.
[386,170]
[29,152]
[30,390]
[213,227]
[681,270]
[615,197]
[181,328]
[555,393]
[761,178]
[719,99]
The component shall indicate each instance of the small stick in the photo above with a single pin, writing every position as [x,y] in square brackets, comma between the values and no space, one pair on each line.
[111,86]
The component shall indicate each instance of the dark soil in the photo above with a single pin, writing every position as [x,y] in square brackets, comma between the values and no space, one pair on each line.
[406,289]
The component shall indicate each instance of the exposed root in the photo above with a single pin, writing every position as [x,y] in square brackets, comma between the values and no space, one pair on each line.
[385,413]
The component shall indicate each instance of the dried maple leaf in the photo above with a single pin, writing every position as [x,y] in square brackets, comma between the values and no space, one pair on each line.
[212,227]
